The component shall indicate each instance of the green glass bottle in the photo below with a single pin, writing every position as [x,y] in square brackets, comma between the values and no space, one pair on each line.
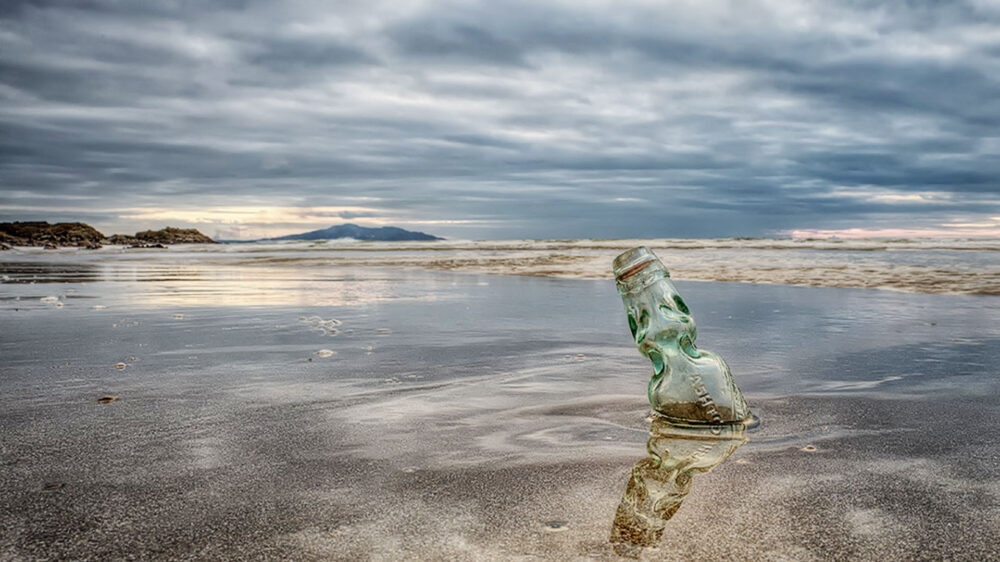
[689,385]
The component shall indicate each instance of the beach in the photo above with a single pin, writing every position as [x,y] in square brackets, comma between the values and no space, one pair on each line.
[346,402]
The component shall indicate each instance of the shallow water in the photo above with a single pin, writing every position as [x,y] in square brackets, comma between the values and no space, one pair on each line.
[920,265]
[459,415]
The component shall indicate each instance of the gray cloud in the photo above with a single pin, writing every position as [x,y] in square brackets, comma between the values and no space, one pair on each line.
[537,119]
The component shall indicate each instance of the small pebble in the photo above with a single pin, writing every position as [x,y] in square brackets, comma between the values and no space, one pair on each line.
[556,525]
[120,366]
[49,299]
[51,486]
[383,331]
[809,449]
[107,399]
[326,352]
[98,307]
[179,316]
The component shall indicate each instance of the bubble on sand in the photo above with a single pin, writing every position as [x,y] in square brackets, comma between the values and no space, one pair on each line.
[326,353]
[98,307]
[410,469]
[556,525]
[608,438]
[49,299]
[383,331]
[809,449]
[325,326]
[107,399]
[120,366]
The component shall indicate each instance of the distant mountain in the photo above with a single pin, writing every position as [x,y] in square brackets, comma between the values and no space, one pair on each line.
[385,233]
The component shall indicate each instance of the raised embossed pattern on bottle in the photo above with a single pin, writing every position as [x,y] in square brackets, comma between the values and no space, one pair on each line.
[688,385]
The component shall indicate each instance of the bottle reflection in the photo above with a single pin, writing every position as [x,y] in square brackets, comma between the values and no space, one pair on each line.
[660,483]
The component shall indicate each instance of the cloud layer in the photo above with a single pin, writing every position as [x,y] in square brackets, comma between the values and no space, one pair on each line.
[504,119]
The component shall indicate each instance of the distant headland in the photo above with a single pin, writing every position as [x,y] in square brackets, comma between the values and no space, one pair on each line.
[80,235]
[381,234]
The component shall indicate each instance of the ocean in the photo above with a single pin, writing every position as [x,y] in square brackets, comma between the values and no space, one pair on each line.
[484,400]
[970,266]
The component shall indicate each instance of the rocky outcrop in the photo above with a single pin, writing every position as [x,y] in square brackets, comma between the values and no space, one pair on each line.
[171,235]
[77,234]
[40,233]
[122,240]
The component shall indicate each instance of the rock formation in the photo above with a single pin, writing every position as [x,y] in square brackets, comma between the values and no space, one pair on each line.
[40,233]
[76,234]
[171,235]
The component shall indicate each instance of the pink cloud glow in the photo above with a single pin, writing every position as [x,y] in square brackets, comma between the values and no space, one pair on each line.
[847,233]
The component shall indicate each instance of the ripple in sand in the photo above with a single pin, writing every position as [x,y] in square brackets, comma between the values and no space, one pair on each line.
[107,399]
[326,353]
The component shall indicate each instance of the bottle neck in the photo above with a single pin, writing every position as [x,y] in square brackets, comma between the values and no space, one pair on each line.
[649,274]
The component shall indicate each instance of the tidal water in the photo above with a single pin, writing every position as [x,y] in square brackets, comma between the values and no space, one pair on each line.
[315,410]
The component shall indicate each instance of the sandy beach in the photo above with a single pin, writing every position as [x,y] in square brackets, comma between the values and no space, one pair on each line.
[375,413]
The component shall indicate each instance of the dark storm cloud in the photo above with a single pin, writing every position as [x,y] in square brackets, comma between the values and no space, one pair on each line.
[532,119]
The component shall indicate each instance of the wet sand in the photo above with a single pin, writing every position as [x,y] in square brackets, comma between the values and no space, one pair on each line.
[479,418]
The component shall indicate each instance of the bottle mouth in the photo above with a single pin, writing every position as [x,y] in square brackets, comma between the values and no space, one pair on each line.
[633,261]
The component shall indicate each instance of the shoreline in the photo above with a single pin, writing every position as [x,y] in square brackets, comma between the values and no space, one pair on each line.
[965,272]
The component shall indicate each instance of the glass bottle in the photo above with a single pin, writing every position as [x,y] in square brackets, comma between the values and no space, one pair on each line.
[688,385]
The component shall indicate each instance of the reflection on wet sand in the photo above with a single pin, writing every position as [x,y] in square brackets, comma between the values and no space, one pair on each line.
[660,482]
[158,284]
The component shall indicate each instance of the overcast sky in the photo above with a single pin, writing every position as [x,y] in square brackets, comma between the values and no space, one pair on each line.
[504,119]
